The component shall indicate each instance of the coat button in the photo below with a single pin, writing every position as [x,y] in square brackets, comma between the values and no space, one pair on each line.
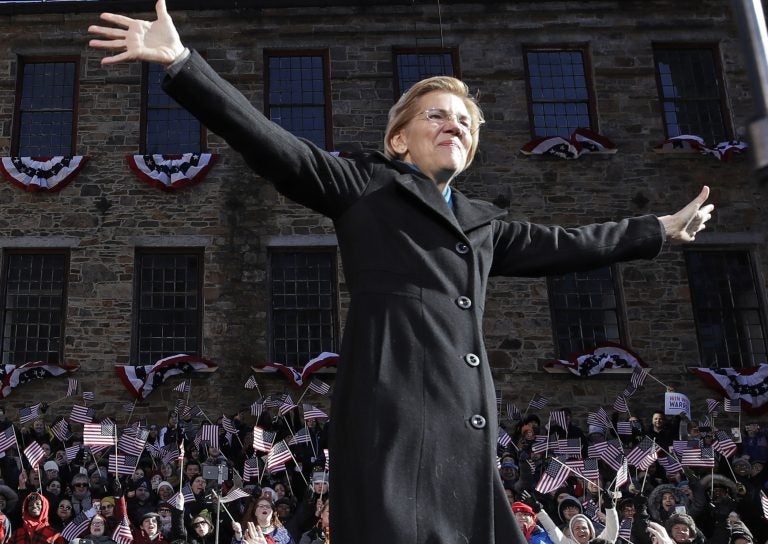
[471,359]
[462,248]
[477,421]
[464,302]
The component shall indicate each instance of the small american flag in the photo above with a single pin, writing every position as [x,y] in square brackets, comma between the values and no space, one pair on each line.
[250,383]
[599,418]
[513,412]
[312,412]
[319,386]
[638,376]
[732,406]
[712,405]
[71,452]
[210,434]
[177,501]
[278,456]
[624,428]
[76,527]
[629,391]
[170,453]
[504,439]
[724,444]
[670,464]
[88,396]
[620,404]
[272,401]
[538,402]
[591,509]
[558,417]
[29,413]
[625,529]
[60,430]
[262,440]
[286,405]
[7,438]
[122,533]
[228,424]
[178,405]
[99,434]
[764,503]
[186,492]
[122,464]
[257,408]
[81,414]
[302,436]
[553,477]
[622,475]
[72,387]
[644,450]
[184,387]
[591,469]
[699,457]
[235,494]
[540,443]
[34,453]
[132,441]
[251,469]
[327,457]
[570,447]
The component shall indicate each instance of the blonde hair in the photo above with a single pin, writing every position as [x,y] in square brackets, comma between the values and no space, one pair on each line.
[407,108]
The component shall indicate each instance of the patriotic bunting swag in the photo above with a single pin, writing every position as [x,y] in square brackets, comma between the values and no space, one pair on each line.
[297,379]
[12,376]
[41,173]
[142,380]
[171,172]
[606,355]
[687,143]
[750,385]
[580,142]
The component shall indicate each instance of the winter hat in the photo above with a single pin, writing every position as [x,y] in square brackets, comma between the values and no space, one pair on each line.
[522,507]
[143,482]
[742,461]
[108,500]
[595,429]
[164,484]
[677,519]
[740,531]
[51,465]
[585,519]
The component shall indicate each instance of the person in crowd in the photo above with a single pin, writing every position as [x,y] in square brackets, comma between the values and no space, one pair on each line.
[202,500]
[170,474]
[148,531]
[9,502]
[754,442]
[164,491]
[169,434]
[63,515]
[51,471]
[191,470]
[682,529]
[53,490]
[97,531]
[527,521]
[81,493]
[35,528]
[6,531]
[203,530]
[320,533]
[107,511]
[142,502]
[262,513]
[663,431]
[97,483]
[430,238]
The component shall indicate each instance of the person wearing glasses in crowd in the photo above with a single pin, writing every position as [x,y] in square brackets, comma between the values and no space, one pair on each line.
[63,514]
[97,531]
[80,493]
[417,255]
[261,513]
[35,527]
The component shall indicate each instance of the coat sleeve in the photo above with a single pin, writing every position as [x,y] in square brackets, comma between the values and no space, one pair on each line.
[300,170]
[611,531]
[554,532]
[527,249]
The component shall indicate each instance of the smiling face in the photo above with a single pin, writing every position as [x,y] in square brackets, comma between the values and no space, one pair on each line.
[35,506]
[680,532]
[581,531]
[150,526]
[439,149]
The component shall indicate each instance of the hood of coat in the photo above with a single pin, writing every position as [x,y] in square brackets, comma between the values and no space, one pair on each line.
[31,524]
[581,517]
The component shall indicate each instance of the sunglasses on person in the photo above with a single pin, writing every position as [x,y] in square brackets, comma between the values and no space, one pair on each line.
[80,484]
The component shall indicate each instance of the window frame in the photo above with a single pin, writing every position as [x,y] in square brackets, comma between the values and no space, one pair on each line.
[4,263]
[586,56]
[718,67]
[398,51]
[136,298]
[22,62]
[619,309]
[333,252]
[144,118]
[325,55]
[762,310]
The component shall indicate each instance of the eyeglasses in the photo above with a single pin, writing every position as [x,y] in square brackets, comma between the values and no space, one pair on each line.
[267,506]
[439,117]
[64,507]
[199,523]
[80,484]
[163,510]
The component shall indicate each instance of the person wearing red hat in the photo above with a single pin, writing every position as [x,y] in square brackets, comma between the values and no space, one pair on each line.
[526,519]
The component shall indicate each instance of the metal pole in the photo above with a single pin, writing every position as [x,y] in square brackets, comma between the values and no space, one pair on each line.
[754,40]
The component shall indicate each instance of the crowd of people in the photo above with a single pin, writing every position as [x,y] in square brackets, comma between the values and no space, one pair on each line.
[664,502]
[181,485]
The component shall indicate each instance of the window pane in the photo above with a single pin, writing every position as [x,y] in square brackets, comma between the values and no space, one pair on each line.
[169,301]
[303,304]
[296,98]
[170,129]
[584,310]
[46,110]
[559,94]
[726,308]
[33,308]
[690,93]
[413,67]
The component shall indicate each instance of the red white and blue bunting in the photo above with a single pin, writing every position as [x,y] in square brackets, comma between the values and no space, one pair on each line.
[606,355]
[12,376]
[296,378]
[141,380]
[47,174]
[687,143]
[171,172]
[750,385]
[581,142]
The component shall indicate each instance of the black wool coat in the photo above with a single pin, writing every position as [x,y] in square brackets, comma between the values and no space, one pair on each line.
[414,430]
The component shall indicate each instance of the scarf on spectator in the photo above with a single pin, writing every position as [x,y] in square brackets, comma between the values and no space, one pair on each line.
[32,525]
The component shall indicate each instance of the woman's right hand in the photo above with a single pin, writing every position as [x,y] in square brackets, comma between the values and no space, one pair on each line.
[135,39]
[253,534]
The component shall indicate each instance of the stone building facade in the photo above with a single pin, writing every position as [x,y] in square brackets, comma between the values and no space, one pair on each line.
[233,220]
